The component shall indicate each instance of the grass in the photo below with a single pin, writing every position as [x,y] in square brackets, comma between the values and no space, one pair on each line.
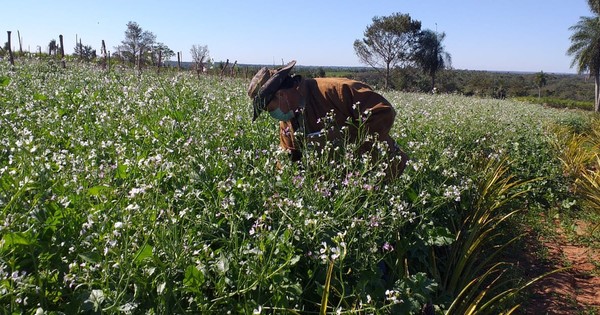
[146,193]
[557,102]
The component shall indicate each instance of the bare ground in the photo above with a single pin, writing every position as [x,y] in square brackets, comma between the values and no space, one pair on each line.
[574,290]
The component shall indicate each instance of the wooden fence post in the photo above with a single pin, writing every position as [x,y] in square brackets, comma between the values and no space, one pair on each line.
[103,53]
[62,51]
[10,54]
[20,42]
[233,69]
[224,68]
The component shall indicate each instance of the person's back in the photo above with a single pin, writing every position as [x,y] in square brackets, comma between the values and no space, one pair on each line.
[334,109]
[348,103]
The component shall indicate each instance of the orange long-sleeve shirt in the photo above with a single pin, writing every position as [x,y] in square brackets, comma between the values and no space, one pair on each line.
[332,103]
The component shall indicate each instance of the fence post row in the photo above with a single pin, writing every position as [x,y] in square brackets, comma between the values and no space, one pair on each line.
[106,58]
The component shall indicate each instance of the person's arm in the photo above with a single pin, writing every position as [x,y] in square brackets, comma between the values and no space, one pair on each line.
[287,140]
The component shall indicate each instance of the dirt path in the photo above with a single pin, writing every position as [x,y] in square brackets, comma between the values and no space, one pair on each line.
[575,290]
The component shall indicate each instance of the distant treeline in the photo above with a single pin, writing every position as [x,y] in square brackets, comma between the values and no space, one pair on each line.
[560,90]
[491,84]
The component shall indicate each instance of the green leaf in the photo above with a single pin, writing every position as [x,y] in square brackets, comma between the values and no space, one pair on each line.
[439,236]
[93,258]
[411,194]
[193,277]
[121,172]
[143,253]
[4,81]
[16,238]
[54,220]
[97,191]
[39,97]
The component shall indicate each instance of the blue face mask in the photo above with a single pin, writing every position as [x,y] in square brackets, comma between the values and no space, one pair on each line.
[280,115]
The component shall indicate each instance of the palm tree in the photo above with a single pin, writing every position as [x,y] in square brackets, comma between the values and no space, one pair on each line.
[594,6]
[52,47]
[585,48]
[541,81]
[430,54]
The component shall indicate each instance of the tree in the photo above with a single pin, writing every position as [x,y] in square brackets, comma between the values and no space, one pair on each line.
[321,73]
[166,53]
[200,55]
[85,52]
[388,42]
[52,47]
[136,43]
[430,55]
[4,49]
[594,6]
[585,49]
[540,81]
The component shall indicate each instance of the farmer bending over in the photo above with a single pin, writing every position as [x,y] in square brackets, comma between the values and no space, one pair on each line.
[318,109]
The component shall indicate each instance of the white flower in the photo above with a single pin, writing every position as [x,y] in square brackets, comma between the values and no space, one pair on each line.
[452,192]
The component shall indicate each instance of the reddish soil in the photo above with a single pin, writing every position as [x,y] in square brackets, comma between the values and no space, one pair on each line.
[575,290]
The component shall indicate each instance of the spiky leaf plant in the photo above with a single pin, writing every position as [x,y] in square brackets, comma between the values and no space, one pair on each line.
[473,275]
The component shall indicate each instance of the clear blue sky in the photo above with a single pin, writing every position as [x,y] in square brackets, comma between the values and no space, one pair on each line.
[504,35]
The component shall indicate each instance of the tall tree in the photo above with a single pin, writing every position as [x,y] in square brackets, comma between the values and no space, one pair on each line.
[85,52]
[585,49]
[430,55]
[166,52]
[541,80]
[200,55]
[136,43]
[52,47]
[594,6]
[4,49]
[388,42]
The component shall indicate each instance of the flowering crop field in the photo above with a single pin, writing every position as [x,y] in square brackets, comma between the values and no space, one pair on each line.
[143,193]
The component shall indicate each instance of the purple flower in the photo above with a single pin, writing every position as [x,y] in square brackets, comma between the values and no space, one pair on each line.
[388,247]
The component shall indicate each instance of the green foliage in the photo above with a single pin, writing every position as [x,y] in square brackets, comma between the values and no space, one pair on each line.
[578,147]
[557,102]
[430,55]
[388,42]
[85,52]
[125,192]
[140,47]
[584,48]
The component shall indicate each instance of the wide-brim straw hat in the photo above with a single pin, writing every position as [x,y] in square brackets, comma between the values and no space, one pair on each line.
[264,85]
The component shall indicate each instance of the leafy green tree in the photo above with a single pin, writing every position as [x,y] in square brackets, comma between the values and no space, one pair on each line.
[166,53]
[594,6]
[585,49]
[321,73]
[388,42]
[430,54]
[4,49]
[541,80]
[85,52]
[137,42]
[52,47]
